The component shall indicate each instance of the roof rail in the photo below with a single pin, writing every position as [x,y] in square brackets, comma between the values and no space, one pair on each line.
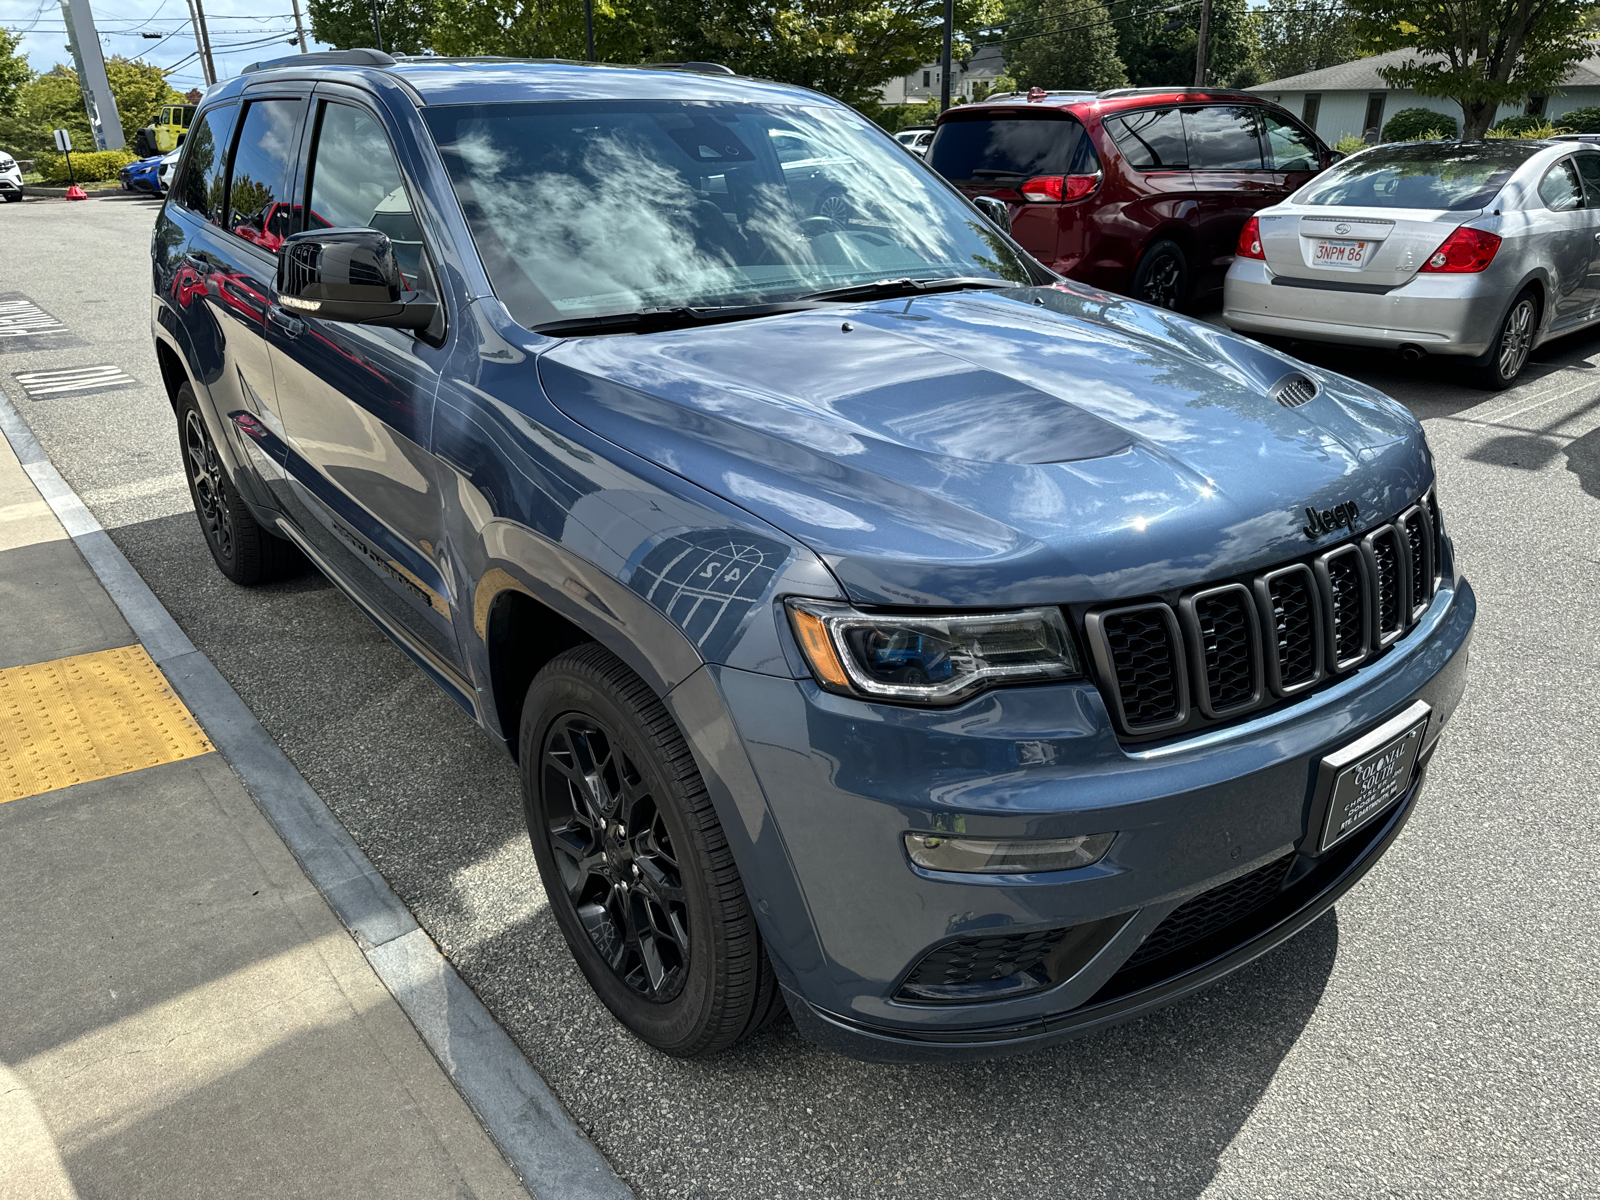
[359,56]
[1024,95]
[1179,90]
[700,68]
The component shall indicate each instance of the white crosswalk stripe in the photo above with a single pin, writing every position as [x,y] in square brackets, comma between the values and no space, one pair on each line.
[24,318]
[38,384]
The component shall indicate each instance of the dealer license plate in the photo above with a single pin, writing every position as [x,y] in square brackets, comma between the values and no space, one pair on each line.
[1369,775]
[1346,255]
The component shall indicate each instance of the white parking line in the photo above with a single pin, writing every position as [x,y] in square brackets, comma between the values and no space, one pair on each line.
[24,318]
[38,384]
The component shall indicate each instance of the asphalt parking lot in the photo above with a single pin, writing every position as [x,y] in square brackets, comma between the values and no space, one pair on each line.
[1438,1034]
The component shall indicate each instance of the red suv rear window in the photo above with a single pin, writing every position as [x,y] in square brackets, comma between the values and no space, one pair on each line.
[999,145]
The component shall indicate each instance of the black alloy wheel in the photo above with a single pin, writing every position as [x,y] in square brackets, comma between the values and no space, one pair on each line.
[637,869]
[243,550]
[616,857]
[1500,365]
[1162,278]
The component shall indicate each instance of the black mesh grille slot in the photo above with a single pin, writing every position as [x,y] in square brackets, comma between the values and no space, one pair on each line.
[1145,663]
[1414,525]
[1210,911]
[1391,603]
[1294,390]
[980,960]
[1291,600]
[1347,606]
[1221,627]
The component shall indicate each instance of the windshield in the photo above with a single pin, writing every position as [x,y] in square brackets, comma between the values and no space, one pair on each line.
[1450,175]
[595,208]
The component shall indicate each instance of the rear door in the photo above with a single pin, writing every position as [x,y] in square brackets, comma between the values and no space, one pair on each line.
[1155,153]
[357,400]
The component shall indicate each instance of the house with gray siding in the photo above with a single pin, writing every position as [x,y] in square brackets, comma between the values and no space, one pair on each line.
[1352,98]
[984,67]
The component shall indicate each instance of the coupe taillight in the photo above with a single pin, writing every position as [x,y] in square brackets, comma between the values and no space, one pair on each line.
[1055,189]
[1250,240]
[1465,250]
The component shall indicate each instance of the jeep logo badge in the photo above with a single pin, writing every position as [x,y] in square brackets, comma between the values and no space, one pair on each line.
[1342,516]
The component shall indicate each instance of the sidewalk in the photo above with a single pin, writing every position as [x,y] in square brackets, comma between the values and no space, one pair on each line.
[181,1013]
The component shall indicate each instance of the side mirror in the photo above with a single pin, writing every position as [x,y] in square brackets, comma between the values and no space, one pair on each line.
[996,210]
[1334,156]
[349,275]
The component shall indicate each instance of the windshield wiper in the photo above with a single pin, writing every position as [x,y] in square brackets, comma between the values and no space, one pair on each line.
[899,287]
[646,320]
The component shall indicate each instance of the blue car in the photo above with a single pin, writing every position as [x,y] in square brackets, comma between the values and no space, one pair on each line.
[885,629]
[142,176]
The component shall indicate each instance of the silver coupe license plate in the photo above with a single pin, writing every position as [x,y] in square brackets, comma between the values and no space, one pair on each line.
[1341,254]
[1367,776]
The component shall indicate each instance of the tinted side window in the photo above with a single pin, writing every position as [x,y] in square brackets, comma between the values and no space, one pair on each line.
[258,194]
[1589,170]
[1223,138]
[1288,147]
[1150,140]
[355,184]
[204,157]
[1560,189]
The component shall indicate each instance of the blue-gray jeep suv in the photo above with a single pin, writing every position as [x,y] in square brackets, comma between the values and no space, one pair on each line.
[884,628]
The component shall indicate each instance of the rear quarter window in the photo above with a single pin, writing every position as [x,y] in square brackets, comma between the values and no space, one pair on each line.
[981,149]
[1150,140]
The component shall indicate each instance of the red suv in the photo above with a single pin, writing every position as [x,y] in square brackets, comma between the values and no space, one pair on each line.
[1140,190]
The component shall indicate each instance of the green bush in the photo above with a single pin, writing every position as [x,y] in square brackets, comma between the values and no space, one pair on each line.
[1521,127]
[89,167]
[1582,120]
[1350,143]
[1418,125]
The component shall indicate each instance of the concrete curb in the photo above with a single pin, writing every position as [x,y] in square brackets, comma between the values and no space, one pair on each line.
[515,1105]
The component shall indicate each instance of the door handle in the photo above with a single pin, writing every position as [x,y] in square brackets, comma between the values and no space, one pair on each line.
[291,325]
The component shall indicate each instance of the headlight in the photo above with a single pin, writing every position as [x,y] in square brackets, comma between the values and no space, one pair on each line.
[940,658]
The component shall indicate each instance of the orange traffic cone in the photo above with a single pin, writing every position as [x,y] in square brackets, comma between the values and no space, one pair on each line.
[76,193]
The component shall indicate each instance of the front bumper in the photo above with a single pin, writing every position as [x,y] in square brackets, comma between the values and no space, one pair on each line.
[1442,314]
[832,784]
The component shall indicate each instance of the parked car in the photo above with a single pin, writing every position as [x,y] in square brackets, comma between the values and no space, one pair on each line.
[169,165]
[916,138]
[10,178]
[1140,191]
[883,628]
[1474,250]
[143,175]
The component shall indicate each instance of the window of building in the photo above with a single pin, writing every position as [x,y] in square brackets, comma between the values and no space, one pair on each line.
[1374,123]
[926,77]
[1536,105]
[1313,107]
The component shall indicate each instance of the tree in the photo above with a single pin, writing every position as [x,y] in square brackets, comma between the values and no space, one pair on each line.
[140,90]
[14,70]
[1297,36]
[1062,44]
[541,29]
[55,101]
[1479,53]
[1157,42]
[345,23]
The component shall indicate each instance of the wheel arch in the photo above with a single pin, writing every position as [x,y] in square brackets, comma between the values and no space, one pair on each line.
[520,635]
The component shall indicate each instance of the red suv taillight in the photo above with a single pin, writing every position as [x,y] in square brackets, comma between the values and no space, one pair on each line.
[1250,240]
[1464,250]
[1058,188]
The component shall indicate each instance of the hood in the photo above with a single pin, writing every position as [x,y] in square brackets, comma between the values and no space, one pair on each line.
[1038,445]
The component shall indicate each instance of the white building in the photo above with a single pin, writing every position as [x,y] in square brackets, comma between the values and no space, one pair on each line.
[1352,98]
[983,67]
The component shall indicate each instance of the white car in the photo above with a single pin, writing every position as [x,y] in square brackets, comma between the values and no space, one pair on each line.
[169,164]
[916,138]
[10,178]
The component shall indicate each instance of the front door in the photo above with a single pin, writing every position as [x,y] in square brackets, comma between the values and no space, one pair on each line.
[1230,179]
[357,401]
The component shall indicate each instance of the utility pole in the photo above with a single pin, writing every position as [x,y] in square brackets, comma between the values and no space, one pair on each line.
[84,42]
[1203,46]
[588,25]
[202,42]
[377,26]
[299,28]
[944,61]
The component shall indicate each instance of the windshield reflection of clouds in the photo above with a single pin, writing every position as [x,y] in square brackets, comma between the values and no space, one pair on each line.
[590,209]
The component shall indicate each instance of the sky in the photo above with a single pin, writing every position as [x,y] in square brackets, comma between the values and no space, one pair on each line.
[242,32]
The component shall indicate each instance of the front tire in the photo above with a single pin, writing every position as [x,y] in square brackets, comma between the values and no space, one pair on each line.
[1507,355]
[1162,277]
[242,548]
[635,864]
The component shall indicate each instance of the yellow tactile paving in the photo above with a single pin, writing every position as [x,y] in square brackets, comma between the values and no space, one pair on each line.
[89,717]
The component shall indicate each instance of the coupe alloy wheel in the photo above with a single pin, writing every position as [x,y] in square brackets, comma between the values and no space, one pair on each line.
[616,857]
[1516,338]
[205,474]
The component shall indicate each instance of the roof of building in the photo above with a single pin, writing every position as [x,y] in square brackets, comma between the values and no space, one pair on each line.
[1362,74]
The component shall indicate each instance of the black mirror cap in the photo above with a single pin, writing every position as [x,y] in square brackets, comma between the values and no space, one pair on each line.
[349,275]
[996,210]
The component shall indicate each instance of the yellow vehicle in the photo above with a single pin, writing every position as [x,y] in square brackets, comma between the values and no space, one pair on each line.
[162,136]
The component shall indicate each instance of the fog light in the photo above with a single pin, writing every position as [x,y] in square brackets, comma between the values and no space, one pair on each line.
[1008,857]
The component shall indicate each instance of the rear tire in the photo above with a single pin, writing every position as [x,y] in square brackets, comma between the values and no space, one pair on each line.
[243,549]
[144,143]
[635,864]
[1162,277]
[1499,366]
